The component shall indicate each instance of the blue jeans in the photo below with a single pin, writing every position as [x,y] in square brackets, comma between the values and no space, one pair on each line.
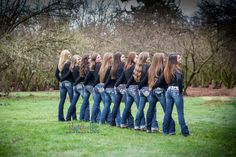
[140,119]
[157,94]
[97,98]
[132,96]
[85,107]
[110,96]
[116,110]
[174,96]
[65,87]
[77,91]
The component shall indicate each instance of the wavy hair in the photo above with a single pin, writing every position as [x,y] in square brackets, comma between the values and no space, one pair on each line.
[156,66]
[171,67]
[115,63]
[84,65]
[64,58]
[142,58]
[130,60]
[106,62]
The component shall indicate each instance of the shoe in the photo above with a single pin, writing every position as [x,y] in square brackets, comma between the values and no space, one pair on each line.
[61,120]
[171,133]
[148,131]
[155,130]
[123,126]
[136,128]
[185,135]
[143,128]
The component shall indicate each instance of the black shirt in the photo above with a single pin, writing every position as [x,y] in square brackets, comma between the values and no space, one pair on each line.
[92,76]
[177,80]
[132,81]
[65,74]
[110,83]
[125,76]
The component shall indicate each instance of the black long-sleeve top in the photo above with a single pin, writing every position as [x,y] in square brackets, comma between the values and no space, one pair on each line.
[65,74]
[110,83]
[125,76]
[132,81]
[76,75]
[177,80]
[92,76]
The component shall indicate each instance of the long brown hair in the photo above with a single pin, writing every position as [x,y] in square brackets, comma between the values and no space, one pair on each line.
[93,61]
[64,58]
[156,66]
[74,63]
[115,63]
[84,65]
[142,58]
[171,67]
[105,65]
[130,60]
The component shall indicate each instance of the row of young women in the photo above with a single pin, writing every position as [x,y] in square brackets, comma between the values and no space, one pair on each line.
[113,78]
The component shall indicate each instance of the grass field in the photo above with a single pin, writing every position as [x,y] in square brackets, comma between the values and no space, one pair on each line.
[29,127]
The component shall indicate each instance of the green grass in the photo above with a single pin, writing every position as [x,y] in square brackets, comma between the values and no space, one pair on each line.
[29,127]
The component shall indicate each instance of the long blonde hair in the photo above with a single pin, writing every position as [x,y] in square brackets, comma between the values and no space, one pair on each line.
[142,58]
[64,58]
[74,62]
[171,67]
[156,66]
[106,62]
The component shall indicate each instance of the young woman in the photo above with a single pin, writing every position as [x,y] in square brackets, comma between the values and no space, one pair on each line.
[156,93]
[120,86]
[116,70]
[89,83]
[132,85]
[143,94]
[174,95]
[64,75]
[99,94]
[79,68]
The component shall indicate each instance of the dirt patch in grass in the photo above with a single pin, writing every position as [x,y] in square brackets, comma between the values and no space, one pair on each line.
[211,92]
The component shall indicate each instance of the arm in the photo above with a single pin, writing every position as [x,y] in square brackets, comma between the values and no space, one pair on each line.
[57,74]
[121,79]
[131,80]
[87,77]
[159,82]
[143,82]
[179,79]
[95,74]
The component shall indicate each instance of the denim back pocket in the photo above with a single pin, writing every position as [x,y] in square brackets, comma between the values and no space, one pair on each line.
[99,88]
[158,91]
[67,83]
[79,86]
[145,91]
[121,88]
[133,90]
[89,88]
[109,90]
